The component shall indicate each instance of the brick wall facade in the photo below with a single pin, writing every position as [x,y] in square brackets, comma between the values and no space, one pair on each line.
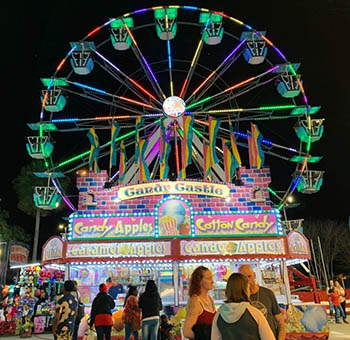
[95,199]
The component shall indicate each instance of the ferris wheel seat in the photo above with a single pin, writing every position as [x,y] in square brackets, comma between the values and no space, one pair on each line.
[81,65]
[310,182]
[46,198]
[166,26]
[120,37]
[39,147]
[306,135]
[54,104]
[286,91]
[253,59]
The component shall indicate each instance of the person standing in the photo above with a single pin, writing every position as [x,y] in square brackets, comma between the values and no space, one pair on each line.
[237,319]
[116,288]
[150,304]
[131,312]
[331,307]
[78,318]
[342,298]
[265,300]
[66,309]
[335,296]
[101,314]
[200,306]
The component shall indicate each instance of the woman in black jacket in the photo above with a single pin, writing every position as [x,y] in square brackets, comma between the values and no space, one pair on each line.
[101,314]
[150,304]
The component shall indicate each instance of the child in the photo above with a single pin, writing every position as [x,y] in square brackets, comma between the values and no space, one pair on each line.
[335,297]
[165,328]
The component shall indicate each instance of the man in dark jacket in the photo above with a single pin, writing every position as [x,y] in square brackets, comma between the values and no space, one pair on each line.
[101,314]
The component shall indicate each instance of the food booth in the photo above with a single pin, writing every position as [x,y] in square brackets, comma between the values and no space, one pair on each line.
[162,230]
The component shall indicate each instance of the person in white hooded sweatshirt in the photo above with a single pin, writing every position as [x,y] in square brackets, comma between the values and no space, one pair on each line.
[237,319]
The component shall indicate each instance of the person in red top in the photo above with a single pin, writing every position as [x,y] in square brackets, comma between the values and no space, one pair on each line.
[101,313]
[335,297]
[200,306]
[131,312]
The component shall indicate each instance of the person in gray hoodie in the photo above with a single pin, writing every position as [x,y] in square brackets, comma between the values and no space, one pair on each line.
[237,319]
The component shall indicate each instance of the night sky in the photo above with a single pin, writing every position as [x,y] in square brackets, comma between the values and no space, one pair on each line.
[316,33]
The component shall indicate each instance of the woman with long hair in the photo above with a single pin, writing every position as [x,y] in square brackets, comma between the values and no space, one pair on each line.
[131,313]
[151,305]
[237,319]
[200,306]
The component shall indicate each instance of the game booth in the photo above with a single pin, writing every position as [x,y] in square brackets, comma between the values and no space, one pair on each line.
[163,230]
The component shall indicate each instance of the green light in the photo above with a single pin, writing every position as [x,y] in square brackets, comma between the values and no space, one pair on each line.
[54,82]
[272,192]
[197,132]
[280,206]
[292,69]
[197,103]
[278,107]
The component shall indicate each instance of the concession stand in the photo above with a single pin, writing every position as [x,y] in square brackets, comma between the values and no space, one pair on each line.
[163,230]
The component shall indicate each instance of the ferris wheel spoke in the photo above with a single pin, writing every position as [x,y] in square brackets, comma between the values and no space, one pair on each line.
[234,87]
[146,67]
[214,75]
[105,93]
[135,87]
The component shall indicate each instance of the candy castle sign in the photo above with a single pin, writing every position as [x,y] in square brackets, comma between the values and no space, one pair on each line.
[175,188]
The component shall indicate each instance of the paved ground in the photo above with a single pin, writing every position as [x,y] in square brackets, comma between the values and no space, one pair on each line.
[338,332]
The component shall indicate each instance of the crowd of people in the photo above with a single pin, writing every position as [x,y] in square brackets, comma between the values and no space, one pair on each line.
[250,312]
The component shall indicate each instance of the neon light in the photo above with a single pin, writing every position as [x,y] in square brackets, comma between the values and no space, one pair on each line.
[234,51]
[65,120]
[60,64]
[196,53]
[169,54]
[94,31]
[141,88]
[111,117]
[199,102]
[141,10]
[135,102]
[198,133]
[129,32]
[267,40]
[183,87]
[236,21]
[89,88]
[205,80]
[191,8]
[157,7]
[280,53]
[239,84]
[278,107]
[225,111]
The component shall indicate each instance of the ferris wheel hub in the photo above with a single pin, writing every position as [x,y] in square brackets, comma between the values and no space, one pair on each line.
[174,106]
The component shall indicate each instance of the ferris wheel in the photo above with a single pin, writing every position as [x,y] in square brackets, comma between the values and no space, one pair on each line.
[140,82]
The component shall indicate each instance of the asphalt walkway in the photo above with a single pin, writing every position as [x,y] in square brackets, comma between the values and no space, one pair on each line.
[338,332]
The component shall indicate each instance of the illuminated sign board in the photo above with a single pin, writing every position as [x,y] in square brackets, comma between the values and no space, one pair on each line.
[232,247]
[113,227]
[18,254]
[125,249]
[177,188]
[53,249]
[235,224]
[298,244]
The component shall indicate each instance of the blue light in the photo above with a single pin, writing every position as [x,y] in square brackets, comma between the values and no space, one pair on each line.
[191,7]
[89,88]
[169,55]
